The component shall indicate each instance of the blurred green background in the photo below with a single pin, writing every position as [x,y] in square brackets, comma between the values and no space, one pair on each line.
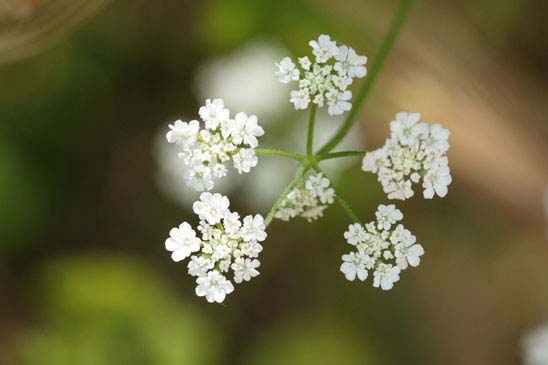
[89,191]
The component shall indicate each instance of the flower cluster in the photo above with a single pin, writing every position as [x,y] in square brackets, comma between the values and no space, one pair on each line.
[225,248]
[308,200]
[414,151]
[327,79]
[226,243]
[381,248]
[205,151]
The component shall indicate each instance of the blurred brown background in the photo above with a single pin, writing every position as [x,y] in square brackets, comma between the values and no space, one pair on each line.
[89,191]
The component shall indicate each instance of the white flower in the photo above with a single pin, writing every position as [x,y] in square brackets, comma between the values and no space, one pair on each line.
[324,49]
[308,199]
[398,189]
[437,142]
[244,129]
[387,215]
[172,174]
[338,101]
[244,160]
[342,82]
[182,132]
[300,98]
[287,71]
[231,223]
[375,160]
[318,185]
[327,79]
[211,207]
[406,251]
[205,152]
[219,170]
[349,63]
[245,269]
[214,113]
[380,248]
[221,251]
[355,234]
[199,178]
[305,63]
[200,265]
[326,196]
[437,179]
[182,242]
[214,287]
[311,213]
[354,264]
[414,151]
[251,248]
[253,228]
[406,127]
[385,276]
[226,244]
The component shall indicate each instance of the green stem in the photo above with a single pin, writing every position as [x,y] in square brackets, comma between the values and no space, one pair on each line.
[272,151]
[310,140]
[328,156]
[346,207]
[342,202]
[298,176]
[386,46]
[220,227]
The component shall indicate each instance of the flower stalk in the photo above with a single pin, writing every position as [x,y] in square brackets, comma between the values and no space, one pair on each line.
[303,168]
[328,156]
[385,49]
[310,139]
[342,202]
[282,153]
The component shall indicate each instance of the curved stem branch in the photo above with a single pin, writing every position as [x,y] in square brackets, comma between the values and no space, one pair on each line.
[342,202]
[347,208]
[386,46]
[298,176]
[277,152]
[328,156]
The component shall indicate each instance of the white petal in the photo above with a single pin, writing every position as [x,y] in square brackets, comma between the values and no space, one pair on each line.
[362,274]
[200,291]
[428,193]
[179,255]
[219,296]
[441,190]
[171,244]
